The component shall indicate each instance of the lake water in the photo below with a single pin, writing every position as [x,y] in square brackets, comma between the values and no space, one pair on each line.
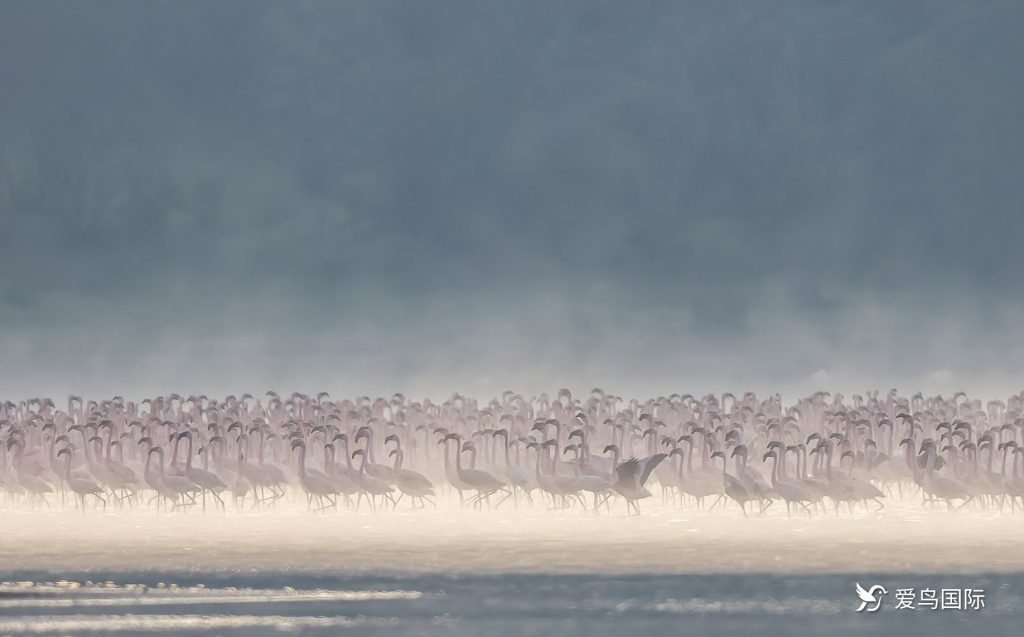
[275,603]
[529,571]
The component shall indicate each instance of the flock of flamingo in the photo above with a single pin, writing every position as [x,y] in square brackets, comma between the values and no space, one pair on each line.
[822,454]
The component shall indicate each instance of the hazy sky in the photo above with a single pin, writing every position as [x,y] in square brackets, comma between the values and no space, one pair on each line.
[369,197]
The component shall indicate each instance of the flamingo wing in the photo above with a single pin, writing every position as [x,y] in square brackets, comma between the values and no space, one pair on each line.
[627,471]
[649,465]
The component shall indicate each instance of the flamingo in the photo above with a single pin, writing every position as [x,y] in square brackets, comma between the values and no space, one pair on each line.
[734,488]
[80,485]
[411,483]
[206,480]
[36,487]
[630,477]
[482,482]
[939,486]
[370,485]
[792,491]
[316,485]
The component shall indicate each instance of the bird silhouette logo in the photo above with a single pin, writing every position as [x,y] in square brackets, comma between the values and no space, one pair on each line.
[871,599]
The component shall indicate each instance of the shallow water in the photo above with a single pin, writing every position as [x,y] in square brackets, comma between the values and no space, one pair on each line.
[665,539]
[501,572]
[272,603]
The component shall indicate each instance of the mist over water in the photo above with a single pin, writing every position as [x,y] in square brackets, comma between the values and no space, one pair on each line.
[900,539]
[184,513]
[505,571]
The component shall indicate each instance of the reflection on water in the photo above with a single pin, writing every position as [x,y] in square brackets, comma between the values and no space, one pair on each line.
[453,571]
[280,602]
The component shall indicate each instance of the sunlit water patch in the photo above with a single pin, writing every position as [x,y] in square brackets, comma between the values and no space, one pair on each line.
[272,603]
[453,571]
